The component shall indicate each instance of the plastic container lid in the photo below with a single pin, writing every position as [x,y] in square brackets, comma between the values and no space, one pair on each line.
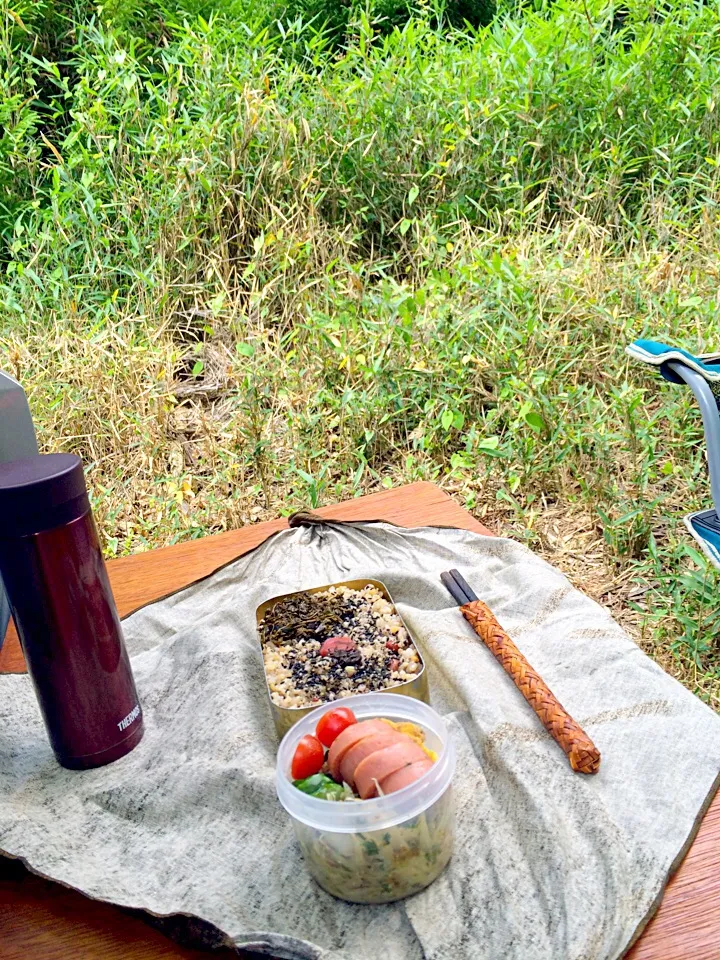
[381,812]
[41,492]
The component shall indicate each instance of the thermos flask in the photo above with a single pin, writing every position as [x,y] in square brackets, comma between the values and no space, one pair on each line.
[60,597]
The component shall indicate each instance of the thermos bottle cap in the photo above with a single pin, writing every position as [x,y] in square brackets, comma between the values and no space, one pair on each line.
[39,493]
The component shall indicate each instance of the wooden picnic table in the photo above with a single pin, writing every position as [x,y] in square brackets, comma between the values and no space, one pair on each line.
[41,919]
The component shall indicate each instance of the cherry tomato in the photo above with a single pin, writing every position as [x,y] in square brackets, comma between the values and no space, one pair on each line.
[332,724]
[308,758]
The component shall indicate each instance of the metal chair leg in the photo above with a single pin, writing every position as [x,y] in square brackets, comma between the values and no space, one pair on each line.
[711,423]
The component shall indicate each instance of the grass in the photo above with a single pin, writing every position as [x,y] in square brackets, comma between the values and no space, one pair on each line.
[245,273]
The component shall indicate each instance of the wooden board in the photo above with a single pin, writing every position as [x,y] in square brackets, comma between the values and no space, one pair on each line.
[41,919]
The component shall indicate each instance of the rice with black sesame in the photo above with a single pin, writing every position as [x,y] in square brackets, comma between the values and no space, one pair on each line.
[319,647]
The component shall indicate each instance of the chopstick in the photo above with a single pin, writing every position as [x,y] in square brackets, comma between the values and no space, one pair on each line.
[581,751]
[459,595]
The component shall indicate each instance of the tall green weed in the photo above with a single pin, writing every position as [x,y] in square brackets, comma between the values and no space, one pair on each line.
[221,135]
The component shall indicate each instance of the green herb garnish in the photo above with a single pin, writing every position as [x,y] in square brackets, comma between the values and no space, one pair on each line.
[321,786]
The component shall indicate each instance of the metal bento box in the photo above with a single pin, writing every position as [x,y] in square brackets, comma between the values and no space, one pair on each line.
[415,686]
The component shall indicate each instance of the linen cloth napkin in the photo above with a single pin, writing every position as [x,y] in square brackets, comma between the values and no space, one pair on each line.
[548,865]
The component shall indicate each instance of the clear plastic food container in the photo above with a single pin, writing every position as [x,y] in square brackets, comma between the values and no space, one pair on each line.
[376,851]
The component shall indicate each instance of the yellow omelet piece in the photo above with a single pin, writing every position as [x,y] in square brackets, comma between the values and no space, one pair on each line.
[415,733]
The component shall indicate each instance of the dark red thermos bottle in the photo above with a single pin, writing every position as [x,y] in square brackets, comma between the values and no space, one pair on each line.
[60,597]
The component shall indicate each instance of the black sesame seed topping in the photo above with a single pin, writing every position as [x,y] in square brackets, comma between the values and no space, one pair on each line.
[293,630]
